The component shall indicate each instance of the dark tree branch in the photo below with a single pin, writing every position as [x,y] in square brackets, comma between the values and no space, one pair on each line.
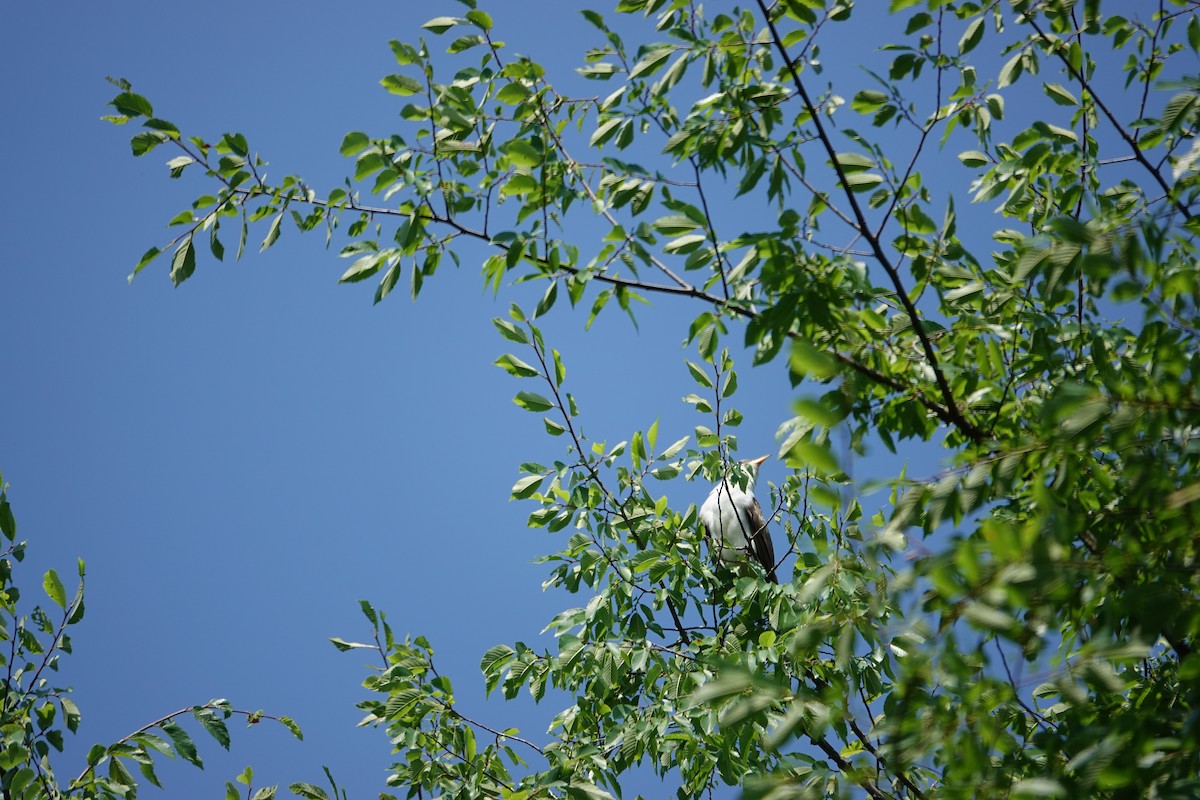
[954,415]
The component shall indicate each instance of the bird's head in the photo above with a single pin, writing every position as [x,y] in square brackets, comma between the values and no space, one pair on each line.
[750,466]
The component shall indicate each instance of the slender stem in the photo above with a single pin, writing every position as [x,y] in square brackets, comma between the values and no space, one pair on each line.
[953,414]
[1136,149]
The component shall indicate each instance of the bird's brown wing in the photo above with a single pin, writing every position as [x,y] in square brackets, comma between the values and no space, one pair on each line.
[761,546]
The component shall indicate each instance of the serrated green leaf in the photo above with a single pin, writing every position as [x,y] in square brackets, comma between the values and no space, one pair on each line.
[212,722]
[184,746]
[291,725]
[144,142]
[132,105]
[308,791]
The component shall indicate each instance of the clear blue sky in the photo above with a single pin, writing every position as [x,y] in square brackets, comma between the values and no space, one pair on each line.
[235,459]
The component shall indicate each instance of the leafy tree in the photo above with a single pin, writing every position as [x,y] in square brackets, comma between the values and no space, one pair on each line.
[1047,348]
[32,699]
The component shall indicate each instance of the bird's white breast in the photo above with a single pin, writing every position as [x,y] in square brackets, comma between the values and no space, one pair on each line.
[725,513]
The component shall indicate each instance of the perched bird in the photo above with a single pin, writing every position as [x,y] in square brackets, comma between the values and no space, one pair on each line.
[735,522]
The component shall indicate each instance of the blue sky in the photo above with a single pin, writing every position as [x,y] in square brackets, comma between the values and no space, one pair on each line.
[232,458]
[235,459]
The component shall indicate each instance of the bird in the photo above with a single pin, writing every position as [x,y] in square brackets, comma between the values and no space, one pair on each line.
[735,522]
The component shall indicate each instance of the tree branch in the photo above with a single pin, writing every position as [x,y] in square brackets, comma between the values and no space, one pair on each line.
[954,416]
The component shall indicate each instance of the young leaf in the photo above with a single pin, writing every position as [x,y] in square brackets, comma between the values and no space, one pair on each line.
[291,725]
[54,588]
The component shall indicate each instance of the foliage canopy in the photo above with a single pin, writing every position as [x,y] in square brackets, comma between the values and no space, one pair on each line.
[1048,348]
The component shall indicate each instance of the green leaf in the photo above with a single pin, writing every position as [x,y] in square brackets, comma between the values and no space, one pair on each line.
[8,523]
[132,105]
[510,331]
[145,141]
[1038,787]
[527,486]
[211,721]
[651,62]
[868,101]
[272,232]
[605,130]
[808,361]
[291,725]
[675,225]
[547,301]
[516,367]
[402,85]
[54,588]
[531,401]
[685,244]
[184,262]
[344,646]
[973,158]
[1010,71]
[480,19]
[465,43]
[184,745]
[362,268]
[1060,95]
[388,281]
[863,181]
[513,94]
[854,162]
[354,142]
[804,454]
[699,374]
[440,25]
[522,153]
[971,36]
[308,791]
